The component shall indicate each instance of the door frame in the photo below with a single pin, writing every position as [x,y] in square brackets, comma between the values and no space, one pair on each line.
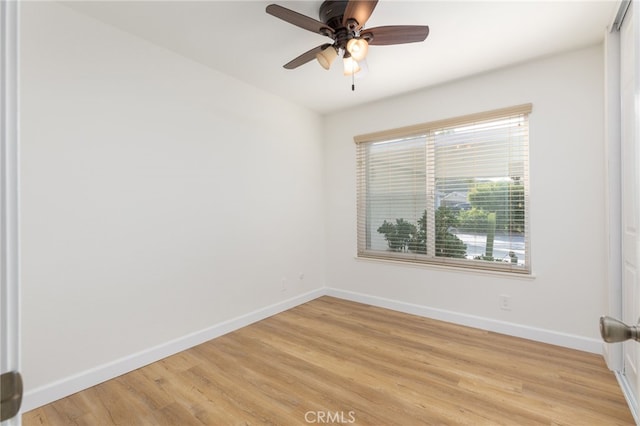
[9,192]
[614,354]
[613,164]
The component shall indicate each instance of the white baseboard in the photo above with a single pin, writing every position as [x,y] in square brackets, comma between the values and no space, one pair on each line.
[538,334]
[46,394]
[51,392]
[628,395]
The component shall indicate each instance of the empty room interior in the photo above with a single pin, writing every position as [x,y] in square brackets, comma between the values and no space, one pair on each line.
[421,220]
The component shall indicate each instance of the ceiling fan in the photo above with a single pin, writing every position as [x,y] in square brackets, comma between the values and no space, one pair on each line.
[343,22]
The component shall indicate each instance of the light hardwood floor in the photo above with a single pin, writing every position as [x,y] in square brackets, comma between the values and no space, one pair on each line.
[349,363]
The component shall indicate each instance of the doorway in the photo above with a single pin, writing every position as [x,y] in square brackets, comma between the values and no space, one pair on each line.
[11,384]
[622,81]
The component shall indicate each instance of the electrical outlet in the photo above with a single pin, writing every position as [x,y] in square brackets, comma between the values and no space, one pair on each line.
[284,284]
[505,302]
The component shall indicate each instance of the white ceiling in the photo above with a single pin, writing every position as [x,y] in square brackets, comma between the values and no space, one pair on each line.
[466,37]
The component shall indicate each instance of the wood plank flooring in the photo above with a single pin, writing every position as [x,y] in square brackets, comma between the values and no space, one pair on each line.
[339,362]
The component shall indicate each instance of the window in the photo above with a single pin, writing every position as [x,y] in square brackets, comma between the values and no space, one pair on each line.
[452,192]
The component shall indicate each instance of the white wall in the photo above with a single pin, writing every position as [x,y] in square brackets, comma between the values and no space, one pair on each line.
[566,296]
[159,197]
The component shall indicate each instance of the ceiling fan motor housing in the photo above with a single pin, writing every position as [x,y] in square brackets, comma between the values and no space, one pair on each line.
[332,12]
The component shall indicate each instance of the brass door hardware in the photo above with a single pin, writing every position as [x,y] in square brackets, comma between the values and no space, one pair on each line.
[10,394]
[613,330]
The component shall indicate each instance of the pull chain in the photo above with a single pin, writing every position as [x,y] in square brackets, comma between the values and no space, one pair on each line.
[353,76]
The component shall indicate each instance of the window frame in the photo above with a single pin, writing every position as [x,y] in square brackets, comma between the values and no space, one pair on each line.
[425,130]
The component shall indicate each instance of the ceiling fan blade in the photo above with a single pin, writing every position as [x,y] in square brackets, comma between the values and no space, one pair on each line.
[395,34]
[359,10]
[305,57]
[299,20]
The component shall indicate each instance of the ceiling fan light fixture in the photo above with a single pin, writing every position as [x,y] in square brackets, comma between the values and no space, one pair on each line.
[358,48]
[343,22]
[364,69]
[351,66]
[326,57]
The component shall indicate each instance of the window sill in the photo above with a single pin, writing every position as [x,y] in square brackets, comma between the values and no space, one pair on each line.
[444,268]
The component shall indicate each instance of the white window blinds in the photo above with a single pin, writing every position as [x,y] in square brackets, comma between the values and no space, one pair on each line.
[452,192]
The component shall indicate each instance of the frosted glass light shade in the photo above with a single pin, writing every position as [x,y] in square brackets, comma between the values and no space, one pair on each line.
[350,66]
[326,57]
[358,48]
